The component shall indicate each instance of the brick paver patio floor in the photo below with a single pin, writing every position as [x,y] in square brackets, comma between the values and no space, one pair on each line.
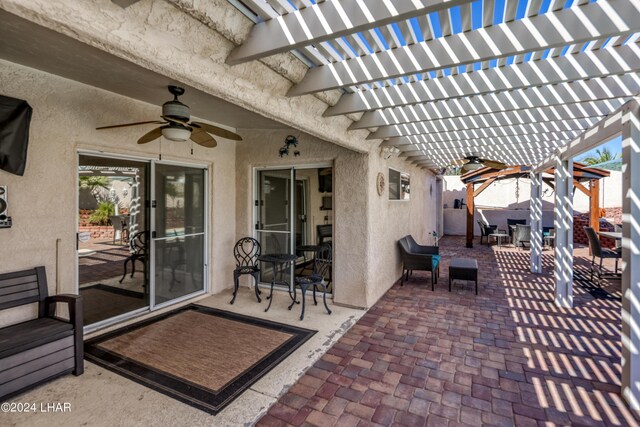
[506,357]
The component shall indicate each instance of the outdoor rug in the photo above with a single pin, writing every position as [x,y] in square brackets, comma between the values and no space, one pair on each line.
[102,302]
[199,355]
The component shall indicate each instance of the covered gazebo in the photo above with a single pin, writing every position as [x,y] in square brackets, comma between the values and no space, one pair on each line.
[585,179]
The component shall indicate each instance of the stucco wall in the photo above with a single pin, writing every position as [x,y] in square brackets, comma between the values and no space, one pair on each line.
[502,194]
[455,220]
[43,202]
[391,220]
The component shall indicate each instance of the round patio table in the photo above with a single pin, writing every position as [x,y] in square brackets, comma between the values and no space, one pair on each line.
[276,260]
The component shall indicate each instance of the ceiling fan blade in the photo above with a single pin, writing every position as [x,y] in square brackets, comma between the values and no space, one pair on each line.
[493,164]
[200,137]
[130,124]
[150,136]
[217,131]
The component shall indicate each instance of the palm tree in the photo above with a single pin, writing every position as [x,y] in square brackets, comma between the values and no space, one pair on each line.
[601,156]
[94,184]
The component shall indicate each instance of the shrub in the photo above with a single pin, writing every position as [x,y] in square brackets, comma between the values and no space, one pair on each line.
[101,215]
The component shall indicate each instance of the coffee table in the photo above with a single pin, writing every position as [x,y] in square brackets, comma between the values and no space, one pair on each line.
[463,269]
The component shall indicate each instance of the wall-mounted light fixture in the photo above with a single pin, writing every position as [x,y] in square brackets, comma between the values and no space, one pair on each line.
[388,152]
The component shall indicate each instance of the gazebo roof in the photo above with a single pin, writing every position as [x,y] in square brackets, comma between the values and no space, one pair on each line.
[507,80]
[581,172]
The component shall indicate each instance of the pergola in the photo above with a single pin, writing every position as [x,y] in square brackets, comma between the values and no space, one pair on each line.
[524,82]
[509,80]
[581,174]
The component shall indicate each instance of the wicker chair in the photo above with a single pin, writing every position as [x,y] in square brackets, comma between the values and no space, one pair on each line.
[511,223]
[418,257]
[597,251]
[486,230]
[522,235]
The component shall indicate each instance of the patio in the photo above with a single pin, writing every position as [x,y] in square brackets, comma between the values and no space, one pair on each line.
[382,98]
[508,356]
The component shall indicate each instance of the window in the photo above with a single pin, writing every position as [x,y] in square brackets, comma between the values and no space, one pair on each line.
[399,185]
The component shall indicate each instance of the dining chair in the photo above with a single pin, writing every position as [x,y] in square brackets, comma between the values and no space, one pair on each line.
[317,279]
[597,251]
[246,252]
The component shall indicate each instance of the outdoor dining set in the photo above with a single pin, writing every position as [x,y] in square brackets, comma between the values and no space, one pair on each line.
[517,233]
[248,254]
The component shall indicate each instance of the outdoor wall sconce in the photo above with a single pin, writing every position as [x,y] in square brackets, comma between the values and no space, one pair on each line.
[388,152]
[289,141]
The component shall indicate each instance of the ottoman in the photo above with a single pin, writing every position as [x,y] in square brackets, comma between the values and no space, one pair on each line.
[463,269]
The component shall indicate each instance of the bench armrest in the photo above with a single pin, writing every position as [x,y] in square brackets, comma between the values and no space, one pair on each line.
[74,305]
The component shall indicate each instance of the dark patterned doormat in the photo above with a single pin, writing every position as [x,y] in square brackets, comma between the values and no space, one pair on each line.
[201,356]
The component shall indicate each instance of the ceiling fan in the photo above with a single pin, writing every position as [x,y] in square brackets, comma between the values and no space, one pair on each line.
[473,162]
[176,125]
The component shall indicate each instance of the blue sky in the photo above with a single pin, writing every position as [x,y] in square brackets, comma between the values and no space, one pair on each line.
[614,145]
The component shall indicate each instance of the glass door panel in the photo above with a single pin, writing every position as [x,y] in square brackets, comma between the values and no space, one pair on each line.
[111,240]
[178,240]
[273,226]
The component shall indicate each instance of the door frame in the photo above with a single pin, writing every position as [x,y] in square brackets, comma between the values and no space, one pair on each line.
[256,209]
[151,307]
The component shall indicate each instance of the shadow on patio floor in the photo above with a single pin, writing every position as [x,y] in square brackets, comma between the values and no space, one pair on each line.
[507,356]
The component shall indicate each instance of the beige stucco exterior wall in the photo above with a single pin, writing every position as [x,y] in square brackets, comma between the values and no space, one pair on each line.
[260,149]
[43,202]
[391,220]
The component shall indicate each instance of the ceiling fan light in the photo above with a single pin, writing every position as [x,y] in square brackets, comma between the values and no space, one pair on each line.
[176,133]
[471,166]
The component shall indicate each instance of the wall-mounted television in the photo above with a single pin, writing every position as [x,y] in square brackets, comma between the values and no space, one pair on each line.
[15,117]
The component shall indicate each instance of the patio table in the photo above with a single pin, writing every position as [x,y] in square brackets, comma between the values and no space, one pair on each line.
[276,260]
[611,234]
[499,237]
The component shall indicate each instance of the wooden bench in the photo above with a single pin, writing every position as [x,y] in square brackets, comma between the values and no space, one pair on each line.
[37,350]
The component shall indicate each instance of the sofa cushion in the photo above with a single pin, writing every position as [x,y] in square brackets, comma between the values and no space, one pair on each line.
[435,260]
[34,333]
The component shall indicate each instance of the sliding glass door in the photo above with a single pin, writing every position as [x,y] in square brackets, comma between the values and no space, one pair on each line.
[273,224]
[178,242]
[293,215]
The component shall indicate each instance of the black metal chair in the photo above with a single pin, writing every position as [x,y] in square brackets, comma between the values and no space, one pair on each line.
[418,257]
[324,233]
[511,223]
[597,251]
[486,230]
[138,250]
[246,252]
[321,269]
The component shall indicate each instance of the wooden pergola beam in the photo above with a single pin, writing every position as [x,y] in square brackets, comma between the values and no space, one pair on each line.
[483,187]
[582,188]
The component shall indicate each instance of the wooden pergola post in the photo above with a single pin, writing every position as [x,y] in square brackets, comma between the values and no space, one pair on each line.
[470,208]
[594,204]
